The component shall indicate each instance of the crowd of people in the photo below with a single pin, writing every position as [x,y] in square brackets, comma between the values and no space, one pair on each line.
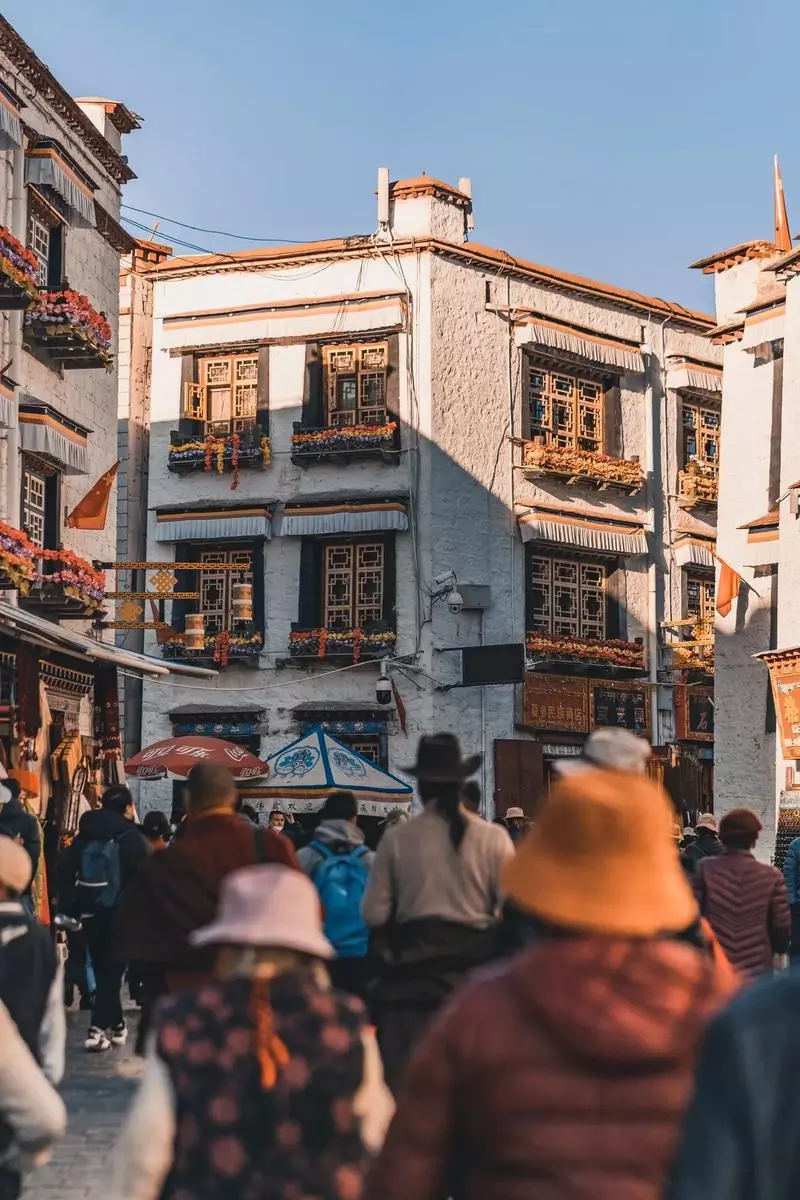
[575,1006]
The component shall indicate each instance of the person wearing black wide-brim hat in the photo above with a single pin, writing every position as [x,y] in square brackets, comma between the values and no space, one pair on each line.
[432,900]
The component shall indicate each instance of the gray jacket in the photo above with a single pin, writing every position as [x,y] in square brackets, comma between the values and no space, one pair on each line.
[336,834]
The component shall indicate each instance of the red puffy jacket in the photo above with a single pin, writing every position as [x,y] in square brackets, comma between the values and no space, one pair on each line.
[747,906]
[563,1074]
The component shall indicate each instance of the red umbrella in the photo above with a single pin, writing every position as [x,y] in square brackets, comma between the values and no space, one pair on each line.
[178,755]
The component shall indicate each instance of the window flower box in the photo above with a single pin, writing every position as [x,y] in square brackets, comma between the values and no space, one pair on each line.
[698,484]
[17,558]
[355,644]
[344,441]
[66,585]
[19,272]
[69,329]
[221,649]
[610,652]
[599,470]
[233,452]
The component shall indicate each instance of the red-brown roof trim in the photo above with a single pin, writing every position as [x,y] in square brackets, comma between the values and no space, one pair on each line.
[362,246]
[723,260]
[41,78]
[423,185]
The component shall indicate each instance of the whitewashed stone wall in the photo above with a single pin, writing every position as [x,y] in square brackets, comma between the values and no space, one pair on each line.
[457,466]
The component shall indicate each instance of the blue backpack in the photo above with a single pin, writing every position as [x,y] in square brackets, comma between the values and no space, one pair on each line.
[341,880]
[99,883]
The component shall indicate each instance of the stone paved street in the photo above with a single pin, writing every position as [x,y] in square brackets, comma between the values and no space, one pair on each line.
[97,1091]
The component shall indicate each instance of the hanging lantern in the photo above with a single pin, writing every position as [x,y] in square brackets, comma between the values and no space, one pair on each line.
[194,636]
[242,601]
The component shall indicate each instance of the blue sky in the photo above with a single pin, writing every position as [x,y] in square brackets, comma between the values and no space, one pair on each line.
[620,140]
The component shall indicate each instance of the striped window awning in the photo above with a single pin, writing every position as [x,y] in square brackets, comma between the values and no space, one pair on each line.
[600,348]
[213,524]
[42,430]
[585,531]
[692,374]
[47,165]
[10,121]
[306,520]
[763,537]
[694,552]
[763,327]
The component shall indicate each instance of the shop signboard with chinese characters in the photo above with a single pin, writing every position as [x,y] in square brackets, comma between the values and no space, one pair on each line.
[784,674]
[694,713]
[556,702]
[625,705]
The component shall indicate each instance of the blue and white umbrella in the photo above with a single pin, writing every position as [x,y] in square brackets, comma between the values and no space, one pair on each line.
[304,773]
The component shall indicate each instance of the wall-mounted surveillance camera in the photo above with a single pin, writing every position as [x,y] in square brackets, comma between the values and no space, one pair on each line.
[383,690]
[455,602]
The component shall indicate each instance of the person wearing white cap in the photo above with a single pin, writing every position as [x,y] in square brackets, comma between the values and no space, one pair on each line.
[31,980]
[263,1079]
[608,749]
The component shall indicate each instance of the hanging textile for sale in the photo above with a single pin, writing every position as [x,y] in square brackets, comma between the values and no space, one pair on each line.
[108,748]
[39,893]
[27,699]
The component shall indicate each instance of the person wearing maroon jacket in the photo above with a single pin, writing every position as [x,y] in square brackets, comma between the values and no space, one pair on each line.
[744,901]
[176,891]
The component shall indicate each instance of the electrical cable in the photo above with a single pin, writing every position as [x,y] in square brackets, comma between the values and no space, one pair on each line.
[240,237]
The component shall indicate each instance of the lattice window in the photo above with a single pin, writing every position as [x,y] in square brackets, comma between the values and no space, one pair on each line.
[216,587]
[355,384]
[700,600]
[39,243]
[565,409]
[367,747]
[568,599]
[34,490]
[700,435]
[354,584]
[226,399]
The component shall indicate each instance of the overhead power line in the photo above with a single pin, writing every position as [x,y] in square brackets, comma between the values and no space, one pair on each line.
[240,237]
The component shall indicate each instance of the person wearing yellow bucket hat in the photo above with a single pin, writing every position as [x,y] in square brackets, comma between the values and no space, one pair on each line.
[566,1071]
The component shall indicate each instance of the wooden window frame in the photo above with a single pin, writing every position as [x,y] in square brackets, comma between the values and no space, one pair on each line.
[198,397]
[699,408]
[40,468]
[548,429]
[356,617]
[707,595]
[43,215]
[219,619]
[346,361]
[34,518]
[546,624]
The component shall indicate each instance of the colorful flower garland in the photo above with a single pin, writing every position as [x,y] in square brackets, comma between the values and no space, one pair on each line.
[318,643]
[565,460]
[215,452]
[346,437]
[18,263]
[71,312]
[699,481]
[613,651]
[223,646]
[79,579]
[17,559]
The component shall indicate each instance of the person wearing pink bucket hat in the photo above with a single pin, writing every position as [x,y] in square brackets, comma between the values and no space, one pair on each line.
[264,1073]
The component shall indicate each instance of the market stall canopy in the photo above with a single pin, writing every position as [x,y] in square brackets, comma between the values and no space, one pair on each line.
[29,627]
[177,756]
[304,773]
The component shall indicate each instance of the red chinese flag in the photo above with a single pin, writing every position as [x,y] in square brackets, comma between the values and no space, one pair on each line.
[91,512]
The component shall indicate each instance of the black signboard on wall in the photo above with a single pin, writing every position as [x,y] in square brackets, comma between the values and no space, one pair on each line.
[621,705]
